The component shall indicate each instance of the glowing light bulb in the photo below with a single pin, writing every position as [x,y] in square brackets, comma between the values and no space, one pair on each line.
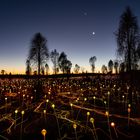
[74,126]
[53,105]
[22,112]
[92,120]
[47,100]
[71,104]
[107,113]
[104,102]
[16,111]
[88,113]
[129,105]
[44,111]
[43,132]
[108,93]
[129,110]
[112,124]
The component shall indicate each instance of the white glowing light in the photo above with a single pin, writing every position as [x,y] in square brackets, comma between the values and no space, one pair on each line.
[93,33]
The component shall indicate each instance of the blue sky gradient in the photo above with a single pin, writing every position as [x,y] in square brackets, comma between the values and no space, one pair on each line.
[68,26]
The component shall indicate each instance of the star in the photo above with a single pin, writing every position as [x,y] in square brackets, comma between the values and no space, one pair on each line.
[93,33]
[85,13]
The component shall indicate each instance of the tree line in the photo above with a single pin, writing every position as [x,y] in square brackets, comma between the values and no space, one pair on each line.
[39,55]
[128,51]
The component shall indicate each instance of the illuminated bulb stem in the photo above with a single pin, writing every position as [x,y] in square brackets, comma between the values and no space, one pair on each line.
[44,137]
[44,112]
[87,120]
[129,110]
[108,100]
[123,101]
[57,121]
[115,132]
[75,126]
[15,117]
[71,110]
[46,103]
[96,137]
[43,132]
[80,110]
[105,105]
[126,100]
[94,100]
[75,134]
[109,125]
[113,125]
[15,120]
[5,104]
[22,113]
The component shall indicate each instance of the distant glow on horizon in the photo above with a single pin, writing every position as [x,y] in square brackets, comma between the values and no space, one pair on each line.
[21,70]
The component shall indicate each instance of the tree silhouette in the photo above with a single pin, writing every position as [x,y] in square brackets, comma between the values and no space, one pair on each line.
[42,70]
[54,58]
[28,67]
[47,69]
[38,54]
[35,72]
[76,68]
[138,51]
[116,65]
[2,72]
[104,69]
[61,61]
[92,63]
[110,65]
[64,64]
[67,66]
[128,38]
[122,67]
[138,55]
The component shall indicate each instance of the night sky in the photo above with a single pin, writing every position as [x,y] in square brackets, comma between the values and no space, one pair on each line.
[68,26]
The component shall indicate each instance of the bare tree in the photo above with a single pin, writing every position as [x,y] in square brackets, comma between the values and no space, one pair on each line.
[110,65]
[128,38]
[42,70]
[64,64]
[28,67]
[67,66]
[92,63]
[2,72]
[54,58]
[61,61]
[38,54]
[122,67]
[116,65]
[47,69]
[76,68]
[138,51]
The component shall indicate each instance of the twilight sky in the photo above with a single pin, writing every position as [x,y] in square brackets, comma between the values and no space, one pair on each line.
[68,26]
